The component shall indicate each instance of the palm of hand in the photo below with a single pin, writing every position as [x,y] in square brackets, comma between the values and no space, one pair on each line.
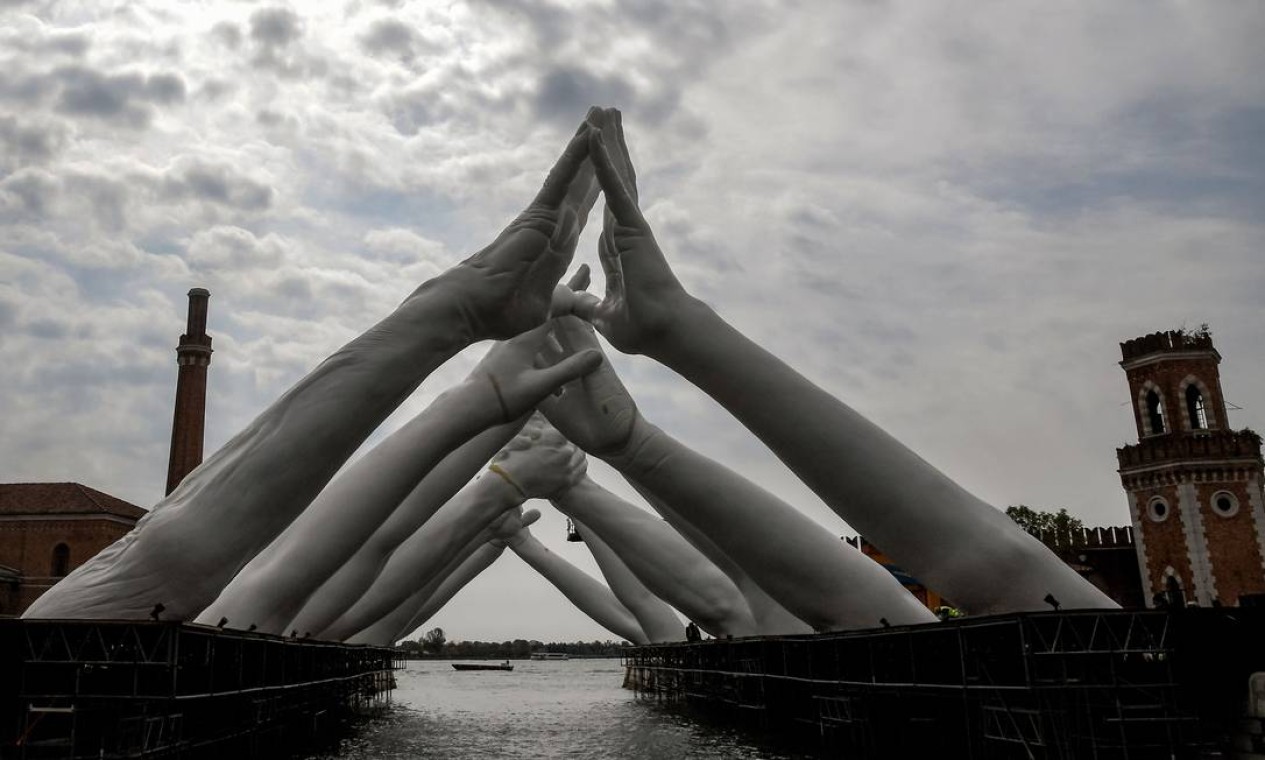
[502,299]
[643,296]
[638,312]
[505,288]
[596,411]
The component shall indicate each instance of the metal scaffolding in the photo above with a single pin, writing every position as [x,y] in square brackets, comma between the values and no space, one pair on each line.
[137,689]
[1079,684]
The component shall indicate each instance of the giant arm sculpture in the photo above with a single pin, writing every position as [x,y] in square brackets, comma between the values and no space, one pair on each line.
[272,589]
[770,617]
[511,530]
[473,559]
[800,564]
[192,543]
[349,582]
[655,617]
[526,468]
[661,558]
[588,595]
[919,516]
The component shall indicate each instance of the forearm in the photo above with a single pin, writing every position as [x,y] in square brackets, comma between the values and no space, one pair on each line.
[897,500]
[266,474]
[591,597]
[664,561]
[473,565]
[394,625]
[272,589]
[299,442]
[349,582]
[770,617]
[427,551]
[797,562]
[653,615]
[440,484]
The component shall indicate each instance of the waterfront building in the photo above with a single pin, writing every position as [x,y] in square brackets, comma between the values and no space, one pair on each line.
[1194,483]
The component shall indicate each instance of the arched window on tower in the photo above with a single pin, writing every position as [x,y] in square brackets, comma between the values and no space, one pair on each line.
[1155,412]
[1195,408]
[61,560]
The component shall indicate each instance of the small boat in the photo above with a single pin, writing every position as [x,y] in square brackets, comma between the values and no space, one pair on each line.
[482,666]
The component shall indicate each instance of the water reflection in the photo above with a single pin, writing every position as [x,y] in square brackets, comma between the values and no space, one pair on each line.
[540,710]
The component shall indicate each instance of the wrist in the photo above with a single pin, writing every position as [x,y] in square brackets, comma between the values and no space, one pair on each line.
[640,453]
[476,399]
[499,492]
[688,321]
[450,293]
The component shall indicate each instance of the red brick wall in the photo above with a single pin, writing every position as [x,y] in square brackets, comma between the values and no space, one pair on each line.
[1168,375]
[27,546]
[1232,547]
[1165,542]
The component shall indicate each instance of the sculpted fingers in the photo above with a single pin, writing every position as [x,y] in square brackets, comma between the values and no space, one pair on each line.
[619,200]
[629,171]
[565,171]
[580,280]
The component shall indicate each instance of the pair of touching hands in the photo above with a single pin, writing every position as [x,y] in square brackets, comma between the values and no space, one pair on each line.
[538,463]
[643,302]
[507,287]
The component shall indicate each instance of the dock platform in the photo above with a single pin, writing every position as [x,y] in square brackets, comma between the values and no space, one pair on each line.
[106,689]
[1073,684]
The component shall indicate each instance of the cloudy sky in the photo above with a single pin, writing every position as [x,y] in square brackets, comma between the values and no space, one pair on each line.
[949,215]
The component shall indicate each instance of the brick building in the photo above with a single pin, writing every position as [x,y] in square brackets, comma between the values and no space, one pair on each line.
[49,529]
[1105,557]
[1194,485]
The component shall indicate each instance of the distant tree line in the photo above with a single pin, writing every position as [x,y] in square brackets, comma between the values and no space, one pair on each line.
[434,644]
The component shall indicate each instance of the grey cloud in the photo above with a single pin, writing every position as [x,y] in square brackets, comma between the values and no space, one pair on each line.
[235,249]
[566,93]
[25,143]
[217,183]
[47,329]
[107,197]
[8,313]
[390,36]
[29,192]
[275,32]
[228,33]
[275,27]
[126,97]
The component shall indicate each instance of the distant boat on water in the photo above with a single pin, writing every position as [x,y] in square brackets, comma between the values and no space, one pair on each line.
[482,666]
[550,656]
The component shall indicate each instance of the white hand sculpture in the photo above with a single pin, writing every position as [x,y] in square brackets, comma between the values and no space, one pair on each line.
[540,463]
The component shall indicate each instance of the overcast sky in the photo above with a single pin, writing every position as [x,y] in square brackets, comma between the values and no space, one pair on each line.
[949,215]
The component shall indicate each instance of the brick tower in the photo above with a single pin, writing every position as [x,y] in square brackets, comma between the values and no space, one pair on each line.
[193,355]
[1194,484]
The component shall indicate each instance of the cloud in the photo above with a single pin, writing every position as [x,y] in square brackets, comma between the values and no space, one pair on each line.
[275,27]
[26,143]
[216,183]
[86,92]
[392,38]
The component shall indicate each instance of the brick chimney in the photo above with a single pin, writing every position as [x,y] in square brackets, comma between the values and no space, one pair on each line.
[193,356]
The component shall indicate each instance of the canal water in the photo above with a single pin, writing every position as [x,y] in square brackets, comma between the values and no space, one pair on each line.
[571,709]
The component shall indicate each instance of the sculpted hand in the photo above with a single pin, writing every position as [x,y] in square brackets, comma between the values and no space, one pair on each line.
[541,463]
[519,375]
[506,288]
[511,528]
[643,297]
[594,412]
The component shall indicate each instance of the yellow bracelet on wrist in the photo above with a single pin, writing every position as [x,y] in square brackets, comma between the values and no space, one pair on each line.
[499,470]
